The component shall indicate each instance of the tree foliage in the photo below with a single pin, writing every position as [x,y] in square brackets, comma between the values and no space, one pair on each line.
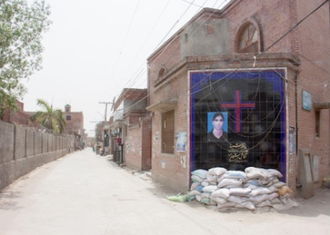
[50,118]
[21,28]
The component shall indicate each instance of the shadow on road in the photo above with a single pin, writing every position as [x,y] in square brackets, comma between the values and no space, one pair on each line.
[8,200]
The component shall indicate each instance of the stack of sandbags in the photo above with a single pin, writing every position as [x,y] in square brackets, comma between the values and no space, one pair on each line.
[251,189]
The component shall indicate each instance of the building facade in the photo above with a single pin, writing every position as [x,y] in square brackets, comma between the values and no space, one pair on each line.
[261,70]
[130,130]
[74,121]
[20,117]
[74,126]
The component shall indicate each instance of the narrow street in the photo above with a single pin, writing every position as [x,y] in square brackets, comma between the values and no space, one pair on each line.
[84,193]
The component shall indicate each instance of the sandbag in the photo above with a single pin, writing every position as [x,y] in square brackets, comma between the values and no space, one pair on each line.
[191,198]
[217,171]
[205,195]
[199,188]
[257,173]
[208,201]
[220,178]
[250,186]
[231,174]
[275,173]
[219,200]
[194,185]
[268,181]
[259,198]
[237,199]
[273,189]
[284,190]
[253,182]
[279,184]
[259,191]
[226,205]
[272,196]
[196,178]
[211,178]
[210,188]
[193,193]
[177,198]
[247,205]
[264,204]
[223,192]
[229,182]
[200,173]
[240,191]
[205,183]
[249,189]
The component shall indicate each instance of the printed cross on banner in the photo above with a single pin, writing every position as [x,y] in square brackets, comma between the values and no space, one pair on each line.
[238,105]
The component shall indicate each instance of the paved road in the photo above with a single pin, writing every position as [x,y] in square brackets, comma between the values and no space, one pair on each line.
[83,193]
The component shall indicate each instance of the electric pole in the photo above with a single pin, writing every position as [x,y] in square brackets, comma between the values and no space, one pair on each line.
[106,109]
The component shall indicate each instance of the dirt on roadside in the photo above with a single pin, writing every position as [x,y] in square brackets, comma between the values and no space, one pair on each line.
[314,206]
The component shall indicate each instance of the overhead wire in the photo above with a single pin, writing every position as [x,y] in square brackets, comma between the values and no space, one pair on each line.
[145,42]
[191,3]
[296,25]
[170,28]
[221,5]
[243,64]
[124,42]
[281,103]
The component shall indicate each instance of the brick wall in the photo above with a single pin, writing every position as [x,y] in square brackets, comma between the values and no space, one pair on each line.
[146,144]
[133,148]
[308,43]
[75,124]
[22,150]
[7,138]
[137,145]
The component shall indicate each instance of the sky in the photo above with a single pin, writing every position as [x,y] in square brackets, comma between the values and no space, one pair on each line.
[95,49]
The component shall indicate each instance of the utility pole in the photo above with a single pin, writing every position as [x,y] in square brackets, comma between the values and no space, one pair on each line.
[106,109]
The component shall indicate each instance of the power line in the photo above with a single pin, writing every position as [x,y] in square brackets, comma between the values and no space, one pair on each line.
[124,42]
[191,3]
[106,109]
[296,25]
[243,65]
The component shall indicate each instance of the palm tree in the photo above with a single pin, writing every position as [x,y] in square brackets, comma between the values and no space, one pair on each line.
[50,118]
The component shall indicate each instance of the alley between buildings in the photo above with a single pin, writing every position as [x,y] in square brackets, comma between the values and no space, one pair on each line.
[84,193]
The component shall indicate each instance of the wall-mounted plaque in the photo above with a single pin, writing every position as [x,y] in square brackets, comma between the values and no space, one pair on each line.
[306,100]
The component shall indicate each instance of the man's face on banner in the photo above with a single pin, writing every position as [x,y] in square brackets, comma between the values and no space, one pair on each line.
[218,123]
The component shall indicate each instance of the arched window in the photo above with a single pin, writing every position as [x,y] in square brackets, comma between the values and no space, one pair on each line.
[248,39]
[161,72]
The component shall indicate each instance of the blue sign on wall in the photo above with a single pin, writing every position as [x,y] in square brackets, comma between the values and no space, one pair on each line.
[253,122]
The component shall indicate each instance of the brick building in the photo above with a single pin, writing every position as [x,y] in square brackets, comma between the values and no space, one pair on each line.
[74,121]
[264,65]
[130,130]
[20,117]
[74,126]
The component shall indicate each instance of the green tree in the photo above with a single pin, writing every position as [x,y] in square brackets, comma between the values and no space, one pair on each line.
[21,28]
[50,118]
